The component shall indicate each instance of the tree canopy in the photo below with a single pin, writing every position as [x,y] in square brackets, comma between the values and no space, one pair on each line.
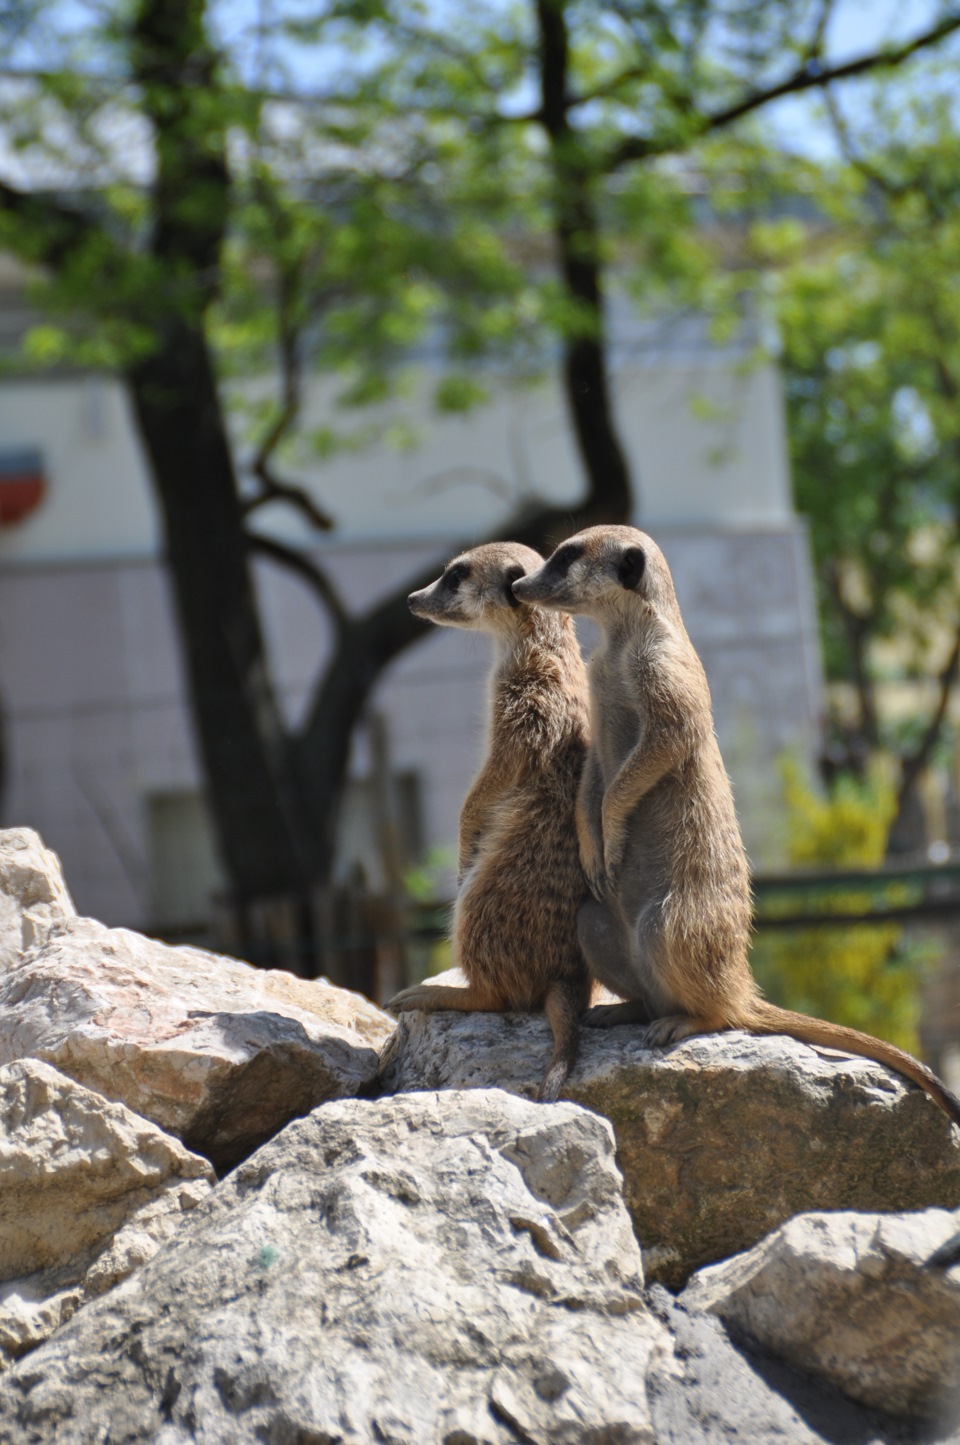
[321,187]
[870,324]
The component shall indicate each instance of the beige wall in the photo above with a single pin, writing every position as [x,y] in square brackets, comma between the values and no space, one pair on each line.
[705,441]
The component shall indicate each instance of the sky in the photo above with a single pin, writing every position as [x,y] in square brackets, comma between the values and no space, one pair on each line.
[856,26]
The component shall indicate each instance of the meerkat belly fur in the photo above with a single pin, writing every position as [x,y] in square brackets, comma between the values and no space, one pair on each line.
[668,925]
[521,880]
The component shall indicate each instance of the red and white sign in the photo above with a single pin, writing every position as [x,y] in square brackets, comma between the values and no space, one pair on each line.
[22,485]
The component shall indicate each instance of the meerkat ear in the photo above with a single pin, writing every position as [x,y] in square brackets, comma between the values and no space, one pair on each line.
[512,574]
[630,567]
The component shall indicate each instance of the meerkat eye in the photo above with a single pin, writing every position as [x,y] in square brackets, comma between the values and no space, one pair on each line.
[630,567]
[513,572]
[455,576]
[564,557]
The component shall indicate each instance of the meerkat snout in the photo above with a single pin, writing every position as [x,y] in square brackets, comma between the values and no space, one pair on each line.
[551,584]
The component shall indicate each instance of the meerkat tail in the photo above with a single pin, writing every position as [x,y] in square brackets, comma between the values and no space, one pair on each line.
[767,1018]
[563,1006]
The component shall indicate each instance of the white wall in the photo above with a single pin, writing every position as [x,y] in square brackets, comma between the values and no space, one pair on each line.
[705,442]
[98,502]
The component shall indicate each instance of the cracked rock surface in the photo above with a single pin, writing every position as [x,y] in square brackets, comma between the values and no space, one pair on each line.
[88,1191]
[849,1297]
[720,1138]
[433,1268]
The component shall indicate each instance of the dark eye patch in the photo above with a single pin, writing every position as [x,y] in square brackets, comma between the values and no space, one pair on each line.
[455,576]
[565,556]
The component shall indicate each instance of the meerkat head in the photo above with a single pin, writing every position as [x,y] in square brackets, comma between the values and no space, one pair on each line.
[476,589]
[600,570]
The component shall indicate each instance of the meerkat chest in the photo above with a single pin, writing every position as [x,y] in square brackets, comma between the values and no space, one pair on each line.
[616,718]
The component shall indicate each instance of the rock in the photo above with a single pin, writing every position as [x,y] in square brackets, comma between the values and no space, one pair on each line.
[849,1297]
[453,1268]
[720,1138]
[212,1050]
[89,1190]
[334,1005]
[712,1392]
[32,891]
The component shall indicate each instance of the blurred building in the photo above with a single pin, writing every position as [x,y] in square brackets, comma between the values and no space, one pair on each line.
[99,753]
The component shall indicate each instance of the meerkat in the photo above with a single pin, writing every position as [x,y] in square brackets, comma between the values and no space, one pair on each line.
[514,924]
[668,924]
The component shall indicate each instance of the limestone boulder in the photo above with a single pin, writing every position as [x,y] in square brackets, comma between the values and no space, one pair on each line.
[721,1138]
[33,893]
[88,1192]
[850,1297]
[452,1267]
[716,1392]
[212,1050]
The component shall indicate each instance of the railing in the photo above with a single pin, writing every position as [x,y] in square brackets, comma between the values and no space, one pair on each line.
[889,894]
[811,898]
[372,944]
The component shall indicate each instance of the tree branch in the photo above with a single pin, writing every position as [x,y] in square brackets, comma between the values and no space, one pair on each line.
[54,232]
[811,75]
[852,156]
[913,766]
[273,490]
[299,563]
[857,627]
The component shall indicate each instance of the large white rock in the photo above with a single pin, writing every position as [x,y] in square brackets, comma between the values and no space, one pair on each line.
[88,1191]
[215,1051]
[419,1270]
[32,891]
[720,1138]
[850,1297]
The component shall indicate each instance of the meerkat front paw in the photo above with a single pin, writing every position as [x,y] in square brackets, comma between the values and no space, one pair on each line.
[612,863]
[591,860]
[599,885]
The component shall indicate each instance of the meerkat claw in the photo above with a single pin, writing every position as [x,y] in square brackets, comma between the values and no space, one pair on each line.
[599,885]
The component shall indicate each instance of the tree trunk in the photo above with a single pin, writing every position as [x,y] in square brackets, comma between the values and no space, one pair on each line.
[3,754]
[576,232]
[908,833]
[266,845]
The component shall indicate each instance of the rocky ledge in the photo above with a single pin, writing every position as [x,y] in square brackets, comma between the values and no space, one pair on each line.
[720,1139]
[442,1260]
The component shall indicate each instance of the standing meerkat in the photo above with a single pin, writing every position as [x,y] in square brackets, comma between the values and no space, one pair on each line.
[668,925]
[521,881]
